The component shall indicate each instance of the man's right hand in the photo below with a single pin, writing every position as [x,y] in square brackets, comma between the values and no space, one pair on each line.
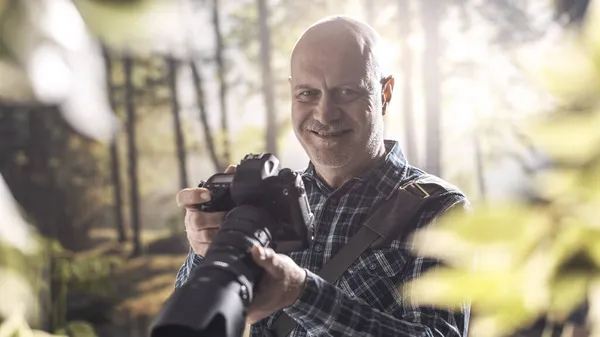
[200,227]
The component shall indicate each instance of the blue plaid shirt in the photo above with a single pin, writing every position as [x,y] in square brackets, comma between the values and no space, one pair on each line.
[365,301]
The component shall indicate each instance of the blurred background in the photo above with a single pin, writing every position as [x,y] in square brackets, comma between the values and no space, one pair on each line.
[108,108]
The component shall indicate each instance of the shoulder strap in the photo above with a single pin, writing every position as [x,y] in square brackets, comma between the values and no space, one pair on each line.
[392,219]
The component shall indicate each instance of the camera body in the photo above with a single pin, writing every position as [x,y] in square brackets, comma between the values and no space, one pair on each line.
[258,181]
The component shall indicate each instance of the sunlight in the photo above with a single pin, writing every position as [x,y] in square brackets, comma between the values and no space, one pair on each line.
[388,55]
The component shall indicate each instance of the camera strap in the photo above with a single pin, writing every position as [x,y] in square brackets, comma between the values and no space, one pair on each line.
[393,219]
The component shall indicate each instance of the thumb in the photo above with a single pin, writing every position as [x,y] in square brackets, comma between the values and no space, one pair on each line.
[230,169]
[267,259]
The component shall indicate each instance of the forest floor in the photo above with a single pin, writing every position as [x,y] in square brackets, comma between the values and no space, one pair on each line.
[140,284]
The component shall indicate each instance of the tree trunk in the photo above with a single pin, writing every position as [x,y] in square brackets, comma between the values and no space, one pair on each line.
[430,15]
[44,197]
[114,156]
[179,139]
[132,156]
[208,137]
[410,149]
[267,77]
[222,81]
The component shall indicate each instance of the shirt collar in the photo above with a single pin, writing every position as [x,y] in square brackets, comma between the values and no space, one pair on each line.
[386,175]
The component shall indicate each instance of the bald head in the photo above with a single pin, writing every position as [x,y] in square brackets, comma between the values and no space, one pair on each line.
[343,36]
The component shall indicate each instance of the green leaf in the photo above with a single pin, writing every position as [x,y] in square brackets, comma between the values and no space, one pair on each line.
[17,295]
[568,291]
[78,329]
[135,26]
[571,138]
[500,236]
[566,70]
[485,289]
[498,298]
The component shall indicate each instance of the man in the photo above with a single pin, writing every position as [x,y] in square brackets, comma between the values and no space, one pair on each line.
[340,95]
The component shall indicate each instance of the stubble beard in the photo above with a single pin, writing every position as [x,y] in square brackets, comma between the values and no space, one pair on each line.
[343,155]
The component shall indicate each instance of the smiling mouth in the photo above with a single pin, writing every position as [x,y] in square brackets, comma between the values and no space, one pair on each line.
[330,134]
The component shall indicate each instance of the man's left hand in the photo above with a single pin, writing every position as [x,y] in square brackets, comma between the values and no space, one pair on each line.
[280,286]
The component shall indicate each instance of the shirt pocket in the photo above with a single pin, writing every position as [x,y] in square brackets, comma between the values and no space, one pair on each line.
[385,262]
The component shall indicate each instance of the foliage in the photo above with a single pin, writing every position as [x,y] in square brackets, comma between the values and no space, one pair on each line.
[71,273]
[53,57]
[24,288]
[140,26]
[78,329]
[57,175]
[68,273]
[16,326]
[537,256]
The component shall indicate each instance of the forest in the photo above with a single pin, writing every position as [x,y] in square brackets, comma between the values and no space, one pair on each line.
[109,108]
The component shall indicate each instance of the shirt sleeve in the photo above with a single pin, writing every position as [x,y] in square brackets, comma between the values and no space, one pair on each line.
[325,310]
[191,261]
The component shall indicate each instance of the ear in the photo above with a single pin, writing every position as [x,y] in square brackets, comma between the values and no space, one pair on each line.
[387,88]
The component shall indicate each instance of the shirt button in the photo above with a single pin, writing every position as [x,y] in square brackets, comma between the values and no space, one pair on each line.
[318,247]
[372,266]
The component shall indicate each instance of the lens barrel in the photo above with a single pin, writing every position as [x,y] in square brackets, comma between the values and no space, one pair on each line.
[214,299]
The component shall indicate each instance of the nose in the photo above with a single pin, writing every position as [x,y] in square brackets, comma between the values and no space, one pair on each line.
[327,111]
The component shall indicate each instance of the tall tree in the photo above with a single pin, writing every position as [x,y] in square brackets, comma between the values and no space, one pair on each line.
[223,86]
[404,14]
[114,155]
[132,156]
[200,99]
[267,77]
[172,66]
[431,11]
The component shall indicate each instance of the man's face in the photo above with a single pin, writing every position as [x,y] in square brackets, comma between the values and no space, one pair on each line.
[336,109]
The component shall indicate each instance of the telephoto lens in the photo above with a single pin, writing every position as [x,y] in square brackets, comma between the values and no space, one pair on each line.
[214,299]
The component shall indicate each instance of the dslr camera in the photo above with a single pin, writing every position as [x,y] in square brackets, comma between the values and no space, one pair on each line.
[265,205]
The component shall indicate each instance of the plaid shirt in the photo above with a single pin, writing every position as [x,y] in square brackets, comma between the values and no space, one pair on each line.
[365,301]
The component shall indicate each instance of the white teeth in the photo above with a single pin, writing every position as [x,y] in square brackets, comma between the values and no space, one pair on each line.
[329,134]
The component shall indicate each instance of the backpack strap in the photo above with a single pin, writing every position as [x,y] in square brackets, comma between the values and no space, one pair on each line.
[393,219]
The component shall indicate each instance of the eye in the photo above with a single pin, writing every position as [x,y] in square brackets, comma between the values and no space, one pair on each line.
[308,93]
[345,95]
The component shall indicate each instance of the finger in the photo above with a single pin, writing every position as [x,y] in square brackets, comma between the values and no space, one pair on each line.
[192,196]
[230,169]
[258,254]
[196,220]
[203,236]
[200,248]
[267,259]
